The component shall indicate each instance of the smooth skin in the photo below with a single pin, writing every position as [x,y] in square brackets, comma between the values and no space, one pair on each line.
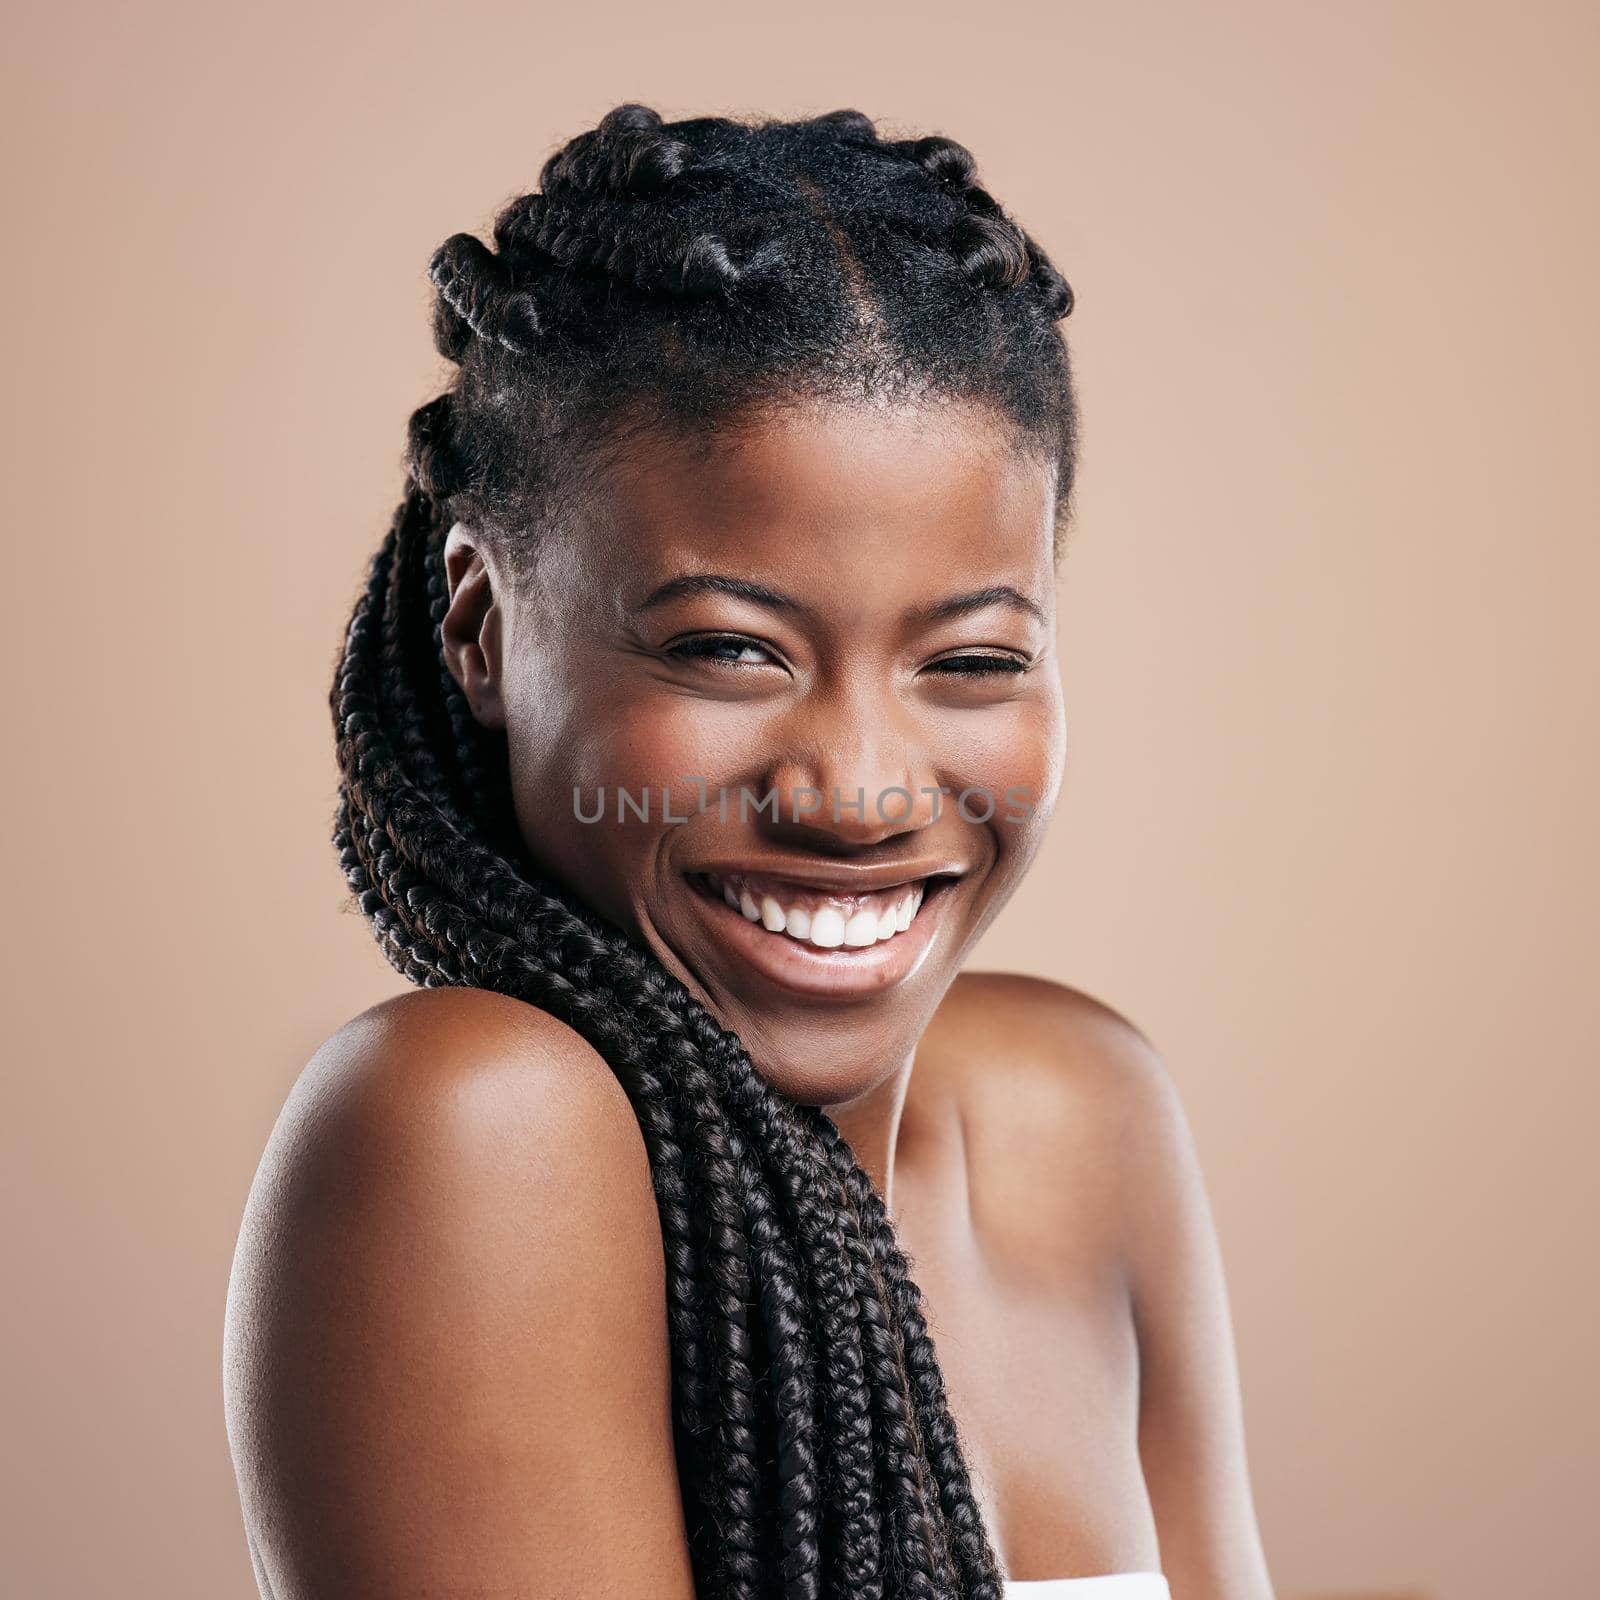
[447,1360]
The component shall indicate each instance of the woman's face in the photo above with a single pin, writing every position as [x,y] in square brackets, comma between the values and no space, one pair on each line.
[785,706]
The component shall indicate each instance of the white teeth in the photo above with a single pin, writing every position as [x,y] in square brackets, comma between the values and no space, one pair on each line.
[827,928]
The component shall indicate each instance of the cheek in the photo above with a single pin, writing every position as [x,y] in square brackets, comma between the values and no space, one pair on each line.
[1051,754]
[1015,753]
[587,744]
[661,741]
[1018,756]
[575,721]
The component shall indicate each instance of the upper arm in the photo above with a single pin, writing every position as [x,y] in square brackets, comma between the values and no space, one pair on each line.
[1191,1425]
[447,1368]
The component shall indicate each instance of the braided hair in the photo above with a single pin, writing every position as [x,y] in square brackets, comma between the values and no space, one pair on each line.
[683,274]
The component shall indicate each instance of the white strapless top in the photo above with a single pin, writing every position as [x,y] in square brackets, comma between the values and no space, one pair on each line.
[1104,1586]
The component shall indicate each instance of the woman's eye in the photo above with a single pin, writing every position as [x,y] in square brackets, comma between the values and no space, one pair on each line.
[728,649]
[979,665]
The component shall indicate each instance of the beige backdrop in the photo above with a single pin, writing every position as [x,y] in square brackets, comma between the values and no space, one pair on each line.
[1327,834]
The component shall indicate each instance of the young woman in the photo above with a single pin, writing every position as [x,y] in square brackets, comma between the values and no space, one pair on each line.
[700,712]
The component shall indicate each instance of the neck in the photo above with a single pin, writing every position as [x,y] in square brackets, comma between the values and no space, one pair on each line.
[871,1125]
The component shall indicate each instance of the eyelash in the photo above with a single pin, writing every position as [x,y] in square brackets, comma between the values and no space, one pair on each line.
[981,666]
[704,647]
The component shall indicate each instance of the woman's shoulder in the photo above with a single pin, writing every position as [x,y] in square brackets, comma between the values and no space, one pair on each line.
[1086,1171]
[1057,1094]
[439,1108]
[998,1033]
[423,1036]
[447,1259]
[448,1074]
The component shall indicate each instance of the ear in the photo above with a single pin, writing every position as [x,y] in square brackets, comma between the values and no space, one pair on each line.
[472,634]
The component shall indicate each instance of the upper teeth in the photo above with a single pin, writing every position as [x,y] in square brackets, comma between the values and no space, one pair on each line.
[828,926]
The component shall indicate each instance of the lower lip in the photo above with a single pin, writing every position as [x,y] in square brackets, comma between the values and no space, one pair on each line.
[844,973]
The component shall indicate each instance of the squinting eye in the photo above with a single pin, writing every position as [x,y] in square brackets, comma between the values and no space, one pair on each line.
[728,649]
[979,666]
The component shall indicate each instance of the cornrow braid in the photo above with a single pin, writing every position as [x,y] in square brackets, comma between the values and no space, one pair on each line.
[674,274]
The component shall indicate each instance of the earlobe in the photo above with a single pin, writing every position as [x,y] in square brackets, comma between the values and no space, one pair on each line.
[470,634]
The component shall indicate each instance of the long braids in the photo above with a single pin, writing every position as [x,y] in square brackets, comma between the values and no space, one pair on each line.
[678,273]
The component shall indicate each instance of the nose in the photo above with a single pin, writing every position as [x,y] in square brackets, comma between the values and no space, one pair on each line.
[852,778]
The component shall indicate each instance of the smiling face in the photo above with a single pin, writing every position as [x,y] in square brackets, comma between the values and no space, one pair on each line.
[794,637]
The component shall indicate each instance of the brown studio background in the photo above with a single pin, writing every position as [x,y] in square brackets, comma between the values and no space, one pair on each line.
[1327,833]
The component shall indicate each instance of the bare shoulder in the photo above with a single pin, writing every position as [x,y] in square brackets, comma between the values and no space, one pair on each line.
[1083,1155]
[1016,1044]
[456,1053]
[446,1108]
[446,1359]
[1064,1103]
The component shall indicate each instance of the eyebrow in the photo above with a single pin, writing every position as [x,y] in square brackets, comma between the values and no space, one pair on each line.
[693,583]
[962,605]
[946,610]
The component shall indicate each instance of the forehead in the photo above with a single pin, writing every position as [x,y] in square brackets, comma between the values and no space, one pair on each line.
[855,505]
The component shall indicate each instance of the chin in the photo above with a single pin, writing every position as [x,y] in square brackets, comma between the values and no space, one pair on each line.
[793,1069]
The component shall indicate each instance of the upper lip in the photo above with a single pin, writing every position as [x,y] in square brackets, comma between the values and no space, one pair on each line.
[839,877]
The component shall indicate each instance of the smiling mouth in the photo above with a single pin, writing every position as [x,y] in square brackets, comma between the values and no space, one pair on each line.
[838,941]
[824,919]
[820,917]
